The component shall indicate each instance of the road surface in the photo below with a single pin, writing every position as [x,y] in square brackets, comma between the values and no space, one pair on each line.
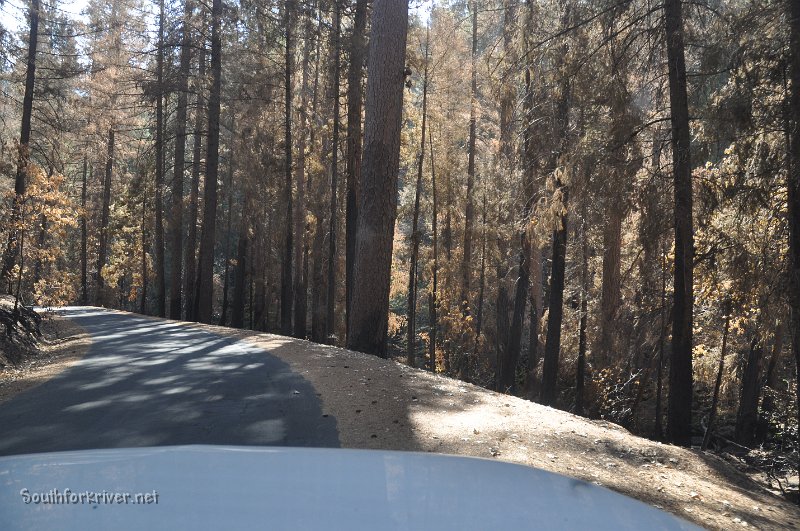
[146,382]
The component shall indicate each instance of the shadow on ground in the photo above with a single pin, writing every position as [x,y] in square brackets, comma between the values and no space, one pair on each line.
[150,383]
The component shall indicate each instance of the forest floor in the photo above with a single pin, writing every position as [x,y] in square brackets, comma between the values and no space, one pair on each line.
[381,404]
[62,344]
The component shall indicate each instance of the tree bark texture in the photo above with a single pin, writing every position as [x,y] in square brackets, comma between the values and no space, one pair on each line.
[205,272]
[378,195]
[353,155]
[679,414]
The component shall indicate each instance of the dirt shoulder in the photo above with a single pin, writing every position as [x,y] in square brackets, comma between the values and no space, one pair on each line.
[63,343]
[385,405]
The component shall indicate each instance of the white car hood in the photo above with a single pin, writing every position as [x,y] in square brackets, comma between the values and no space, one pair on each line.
[223,487]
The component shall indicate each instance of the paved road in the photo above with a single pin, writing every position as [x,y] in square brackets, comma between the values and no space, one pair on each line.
[151,383]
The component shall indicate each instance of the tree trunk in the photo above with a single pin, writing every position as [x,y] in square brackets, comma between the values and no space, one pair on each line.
[432,302]
[41,240]
[508,365]
[205,272]
[712,415]
[659,429]
[580,370]
[679,414]
[747,415]
[793,186]
[20,184]
[378,195]
[102,251]
[175,283]
[531,193]
[190,267]
[553,341]
[771,383]
[300,234]
[84,237]
[158,254]
[556,306]
[143,300]
[411,351]
[317,308]
[301,306]
[260,273]
[333,231]
[502,325]
[507,90]
[226,278]
[354,105]
[610,290]
[469,212]
[237,306]
[286,264]
[481,279]
[447,233]
[250,316]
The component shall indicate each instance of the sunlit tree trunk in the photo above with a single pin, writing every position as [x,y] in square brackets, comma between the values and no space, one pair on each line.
[378,194]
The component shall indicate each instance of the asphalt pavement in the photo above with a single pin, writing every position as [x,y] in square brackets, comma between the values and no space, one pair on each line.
[148,382]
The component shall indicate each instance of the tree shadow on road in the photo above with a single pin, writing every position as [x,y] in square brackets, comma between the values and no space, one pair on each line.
[153,383]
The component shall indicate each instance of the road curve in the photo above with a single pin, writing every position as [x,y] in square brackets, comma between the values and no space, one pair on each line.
[146,382]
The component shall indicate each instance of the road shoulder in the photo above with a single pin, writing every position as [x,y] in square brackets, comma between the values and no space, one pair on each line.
[63,343]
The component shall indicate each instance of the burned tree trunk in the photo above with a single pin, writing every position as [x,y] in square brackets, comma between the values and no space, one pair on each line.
[469,211]
[679,414]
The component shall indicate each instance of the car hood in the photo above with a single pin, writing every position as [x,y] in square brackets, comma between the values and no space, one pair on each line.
[226,487]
